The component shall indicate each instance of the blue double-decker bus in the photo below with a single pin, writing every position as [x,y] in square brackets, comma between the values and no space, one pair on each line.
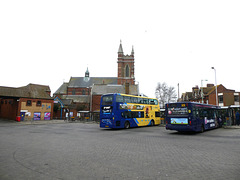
[125,111]
[190,116]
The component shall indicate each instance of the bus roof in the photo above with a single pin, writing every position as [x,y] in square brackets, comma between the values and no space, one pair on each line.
[200,104]
[128,95]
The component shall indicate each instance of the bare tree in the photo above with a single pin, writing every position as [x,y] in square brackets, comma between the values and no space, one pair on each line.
[165,94]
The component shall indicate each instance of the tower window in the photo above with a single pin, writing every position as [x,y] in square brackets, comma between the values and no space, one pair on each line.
[127,71]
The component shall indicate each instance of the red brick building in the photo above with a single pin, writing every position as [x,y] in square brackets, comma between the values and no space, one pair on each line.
[226,97]
[31,102]
[81,95]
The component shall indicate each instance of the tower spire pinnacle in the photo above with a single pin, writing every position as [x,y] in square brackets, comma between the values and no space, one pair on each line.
[120,49]
[132,53]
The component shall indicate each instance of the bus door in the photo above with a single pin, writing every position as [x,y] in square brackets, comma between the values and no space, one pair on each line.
[196,119]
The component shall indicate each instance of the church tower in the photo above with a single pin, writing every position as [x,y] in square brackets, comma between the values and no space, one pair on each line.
[87,77]
[125,67]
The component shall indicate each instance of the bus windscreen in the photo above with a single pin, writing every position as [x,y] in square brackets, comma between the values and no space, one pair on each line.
[107,100]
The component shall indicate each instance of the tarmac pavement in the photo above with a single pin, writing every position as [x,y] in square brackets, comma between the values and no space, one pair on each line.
[85,151]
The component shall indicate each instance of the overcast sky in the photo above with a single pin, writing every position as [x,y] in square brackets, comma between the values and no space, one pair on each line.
[175,41]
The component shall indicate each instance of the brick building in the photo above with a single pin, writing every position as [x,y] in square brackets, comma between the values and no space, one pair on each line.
[26,103]
[81,95]
[226,97]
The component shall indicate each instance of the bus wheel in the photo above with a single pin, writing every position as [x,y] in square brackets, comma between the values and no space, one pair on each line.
[126,125]
[152,123]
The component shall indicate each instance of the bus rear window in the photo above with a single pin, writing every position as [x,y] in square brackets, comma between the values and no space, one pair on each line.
[107,100]
[177,111]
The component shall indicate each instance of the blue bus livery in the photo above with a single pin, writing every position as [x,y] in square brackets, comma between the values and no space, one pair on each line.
[189,116]
[124,111]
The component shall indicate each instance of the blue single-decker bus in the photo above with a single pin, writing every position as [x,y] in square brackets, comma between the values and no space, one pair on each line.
[190,116]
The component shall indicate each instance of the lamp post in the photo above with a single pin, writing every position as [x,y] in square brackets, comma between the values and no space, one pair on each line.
[202,88]
[216,86]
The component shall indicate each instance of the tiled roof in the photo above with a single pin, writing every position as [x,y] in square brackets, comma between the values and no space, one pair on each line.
[76,98]
[29,91]
[76,82]
[89,81]
[211,89]
[99,89]
[62,89]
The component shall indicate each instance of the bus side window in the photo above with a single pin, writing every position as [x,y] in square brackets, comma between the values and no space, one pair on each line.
[134,100]
[209,113]
[195,112]
[204,113]
[201,113]
[127,114]
[152,102]
[119,98]
[127,99]
[133,114]
[145,101]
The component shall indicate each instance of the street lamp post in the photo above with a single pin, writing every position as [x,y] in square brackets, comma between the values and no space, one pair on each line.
[216,86]
[202,88]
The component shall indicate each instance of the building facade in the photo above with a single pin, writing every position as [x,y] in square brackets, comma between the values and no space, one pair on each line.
[207,95]
[81,95]
[31,102]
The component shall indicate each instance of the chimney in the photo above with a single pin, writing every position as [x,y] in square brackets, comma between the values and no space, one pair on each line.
[196,87]
[210,85]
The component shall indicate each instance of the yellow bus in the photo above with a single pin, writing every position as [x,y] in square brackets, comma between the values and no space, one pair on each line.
[125,111]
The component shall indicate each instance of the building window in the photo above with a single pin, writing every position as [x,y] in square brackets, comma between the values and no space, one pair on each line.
[220,98]
[236,98]
[73,92]
[83,92]
[39,103]
[29,102]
